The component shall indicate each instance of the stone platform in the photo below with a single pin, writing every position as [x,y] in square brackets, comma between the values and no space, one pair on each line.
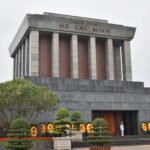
[120,141]
[137,147]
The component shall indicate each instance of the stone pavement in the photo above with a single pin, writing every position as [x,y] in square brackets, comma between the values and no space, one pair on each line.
[137,147]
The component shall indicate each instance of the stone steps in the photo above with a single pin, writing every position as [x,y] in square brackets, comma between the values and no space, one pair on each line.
[120,141]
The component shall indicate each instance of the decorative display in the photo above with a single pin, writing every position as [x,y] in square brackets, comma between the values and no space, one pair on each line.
[34,131]
[49,128]
[43,128]
[148,126]
[82,128]
[89,128]
[145,126]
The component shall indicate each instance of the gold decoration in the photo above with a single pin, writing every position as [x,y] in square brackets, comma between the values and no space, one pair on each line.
[34,131]
[50,128]
[144,126]
[82,128]
[89,128]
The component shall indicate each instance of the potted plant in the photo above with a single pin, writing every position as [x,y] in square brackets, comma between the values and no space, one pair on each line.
[76,120]
[19,130]
[100,136]
[62,129]
[62,122]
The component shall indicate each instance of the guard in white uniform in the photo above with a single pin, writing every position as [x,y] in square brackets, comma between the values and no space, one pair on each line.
[122,128]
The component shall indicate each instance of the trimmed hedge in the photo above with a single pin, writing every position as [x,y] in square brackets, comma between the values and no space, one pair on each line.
[19,129]
[62,113]
[100,135]
[99,122]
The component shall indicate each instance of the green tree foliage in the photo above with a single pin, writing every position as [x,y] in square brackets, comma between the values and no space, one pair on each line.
[21,97]
[101,134]
[19,129]
[63,113]
[76,119]
[76,116]
[62,122]
[99,122]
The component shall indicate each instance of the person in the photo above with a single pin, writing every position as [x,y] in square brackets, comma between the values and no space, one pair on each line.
[122,128]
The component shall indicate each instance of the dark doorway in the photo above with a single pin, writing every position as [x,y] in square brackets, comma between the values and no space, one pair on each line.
[130,122]
[115,117]
[1,132]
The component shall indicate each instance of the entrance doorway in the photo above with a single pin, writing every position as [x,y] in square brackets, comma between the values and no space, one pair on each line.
[115,117]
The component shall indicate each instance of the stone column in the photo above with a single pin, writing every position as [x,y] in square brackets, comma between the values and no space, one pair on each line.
[126,57]
[74,56]
[55,55]
[22,60]
[118,70]
[34,53]
[92,58]
[26,57]
[109,60]
[19,55]
[16,65]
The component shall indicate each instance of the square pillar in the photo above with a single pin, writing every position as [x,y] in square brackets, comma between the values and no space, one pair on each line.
[118,64]
[22,61]
[34,53]
[14,67]
[55,55]
[92,58]
[19,63]
[126,57]
[26,57]
[109,60]
[74,56]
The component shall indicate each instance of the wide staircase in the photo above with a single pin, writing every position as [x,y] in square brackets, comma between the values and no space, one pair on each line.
[131,140]
[120,141]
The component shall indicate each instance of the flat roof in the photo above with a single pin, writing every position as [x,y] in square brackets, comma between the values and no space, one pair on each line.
[52,22]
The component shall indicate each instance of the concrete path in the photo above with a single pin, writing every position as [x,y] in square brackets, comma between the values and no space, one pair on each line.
[138,147]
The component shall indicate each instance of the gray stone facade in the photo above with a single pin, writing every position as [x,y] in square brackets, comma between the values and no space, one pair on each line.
[88,95]
[28,35]
[70,24]
[115,94]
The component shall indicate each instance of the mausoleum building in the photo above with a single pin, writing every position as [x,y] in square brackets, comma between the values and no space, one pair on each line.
[87,62]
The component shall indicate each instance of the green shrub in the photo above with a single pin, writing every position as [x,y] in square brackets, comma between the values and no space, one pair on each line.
[76,116]
[61,123]
[76,119]
[99,122]
[19,129]
[100,135]
[19,123]
[62,113]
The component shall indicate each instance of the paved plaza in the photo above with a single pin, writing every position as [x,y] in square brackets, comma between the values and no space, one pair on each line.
[138,147]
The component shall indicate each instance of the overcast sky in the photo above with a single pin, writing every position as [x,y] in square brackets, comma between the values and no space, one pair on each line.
[134,13]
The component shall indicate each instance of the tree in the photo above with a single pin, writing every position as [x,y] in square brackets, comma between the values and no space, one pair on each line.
[61,122]
[21,97]
[19,130]
[76,119]
[100,136]
[62,113]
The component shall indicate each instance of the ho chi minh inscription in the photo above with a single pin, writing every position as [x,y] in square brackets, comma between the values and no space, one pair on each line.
[84,28]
